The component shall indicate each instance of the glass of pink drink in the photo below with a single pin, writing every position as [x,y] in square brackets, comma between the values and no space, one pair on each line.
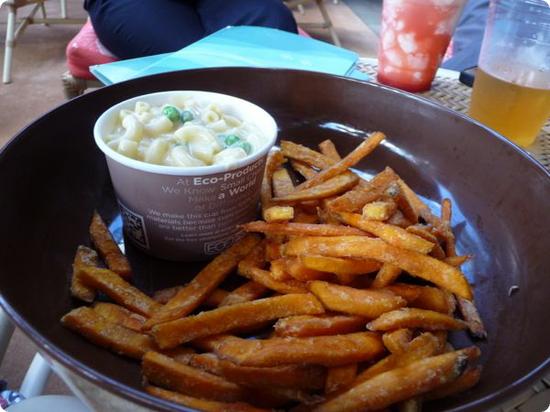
[414,37]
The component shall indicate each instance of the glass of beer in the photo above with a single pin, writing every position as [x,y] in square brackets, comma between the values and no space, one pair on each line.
[413,40]
[511,91]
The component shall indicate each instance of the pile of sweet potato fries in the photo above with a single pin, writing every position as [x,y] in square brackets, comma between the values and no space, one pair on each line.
[348,289]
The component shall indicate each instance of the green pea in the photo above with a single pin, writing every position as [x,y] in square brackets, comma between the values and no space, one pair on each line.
[186,116]
[172,113]
[247,147]
[231,139]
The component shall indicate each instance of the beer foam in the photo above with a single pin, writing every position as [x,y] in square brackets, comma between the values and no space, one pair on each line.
[529,68]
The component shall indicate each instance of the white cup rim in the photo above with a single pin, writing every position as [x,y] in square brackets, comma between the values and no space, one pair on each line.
[270,135]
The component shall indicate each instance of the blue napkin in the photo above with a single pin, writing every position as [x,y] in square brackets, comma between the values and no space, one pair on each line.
[242,46]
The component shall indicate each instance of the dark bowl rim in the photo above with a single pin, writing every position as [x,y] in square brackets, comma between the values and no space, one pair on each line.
[144,399]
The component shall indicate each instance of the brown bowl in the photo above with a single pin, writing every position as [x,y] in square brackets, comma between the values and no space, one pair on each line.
[52,177]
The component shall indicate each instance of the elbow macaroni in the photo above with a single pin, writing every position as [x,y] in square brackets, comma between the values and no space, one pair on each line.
[149,135]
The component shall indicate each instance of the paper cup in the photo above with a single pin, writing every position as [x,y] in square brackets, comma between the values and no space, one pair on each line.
[187,213]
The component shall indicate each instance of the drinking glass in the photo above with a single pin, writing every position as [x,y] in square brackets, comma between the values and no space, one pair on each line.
[511,91]
[414,37]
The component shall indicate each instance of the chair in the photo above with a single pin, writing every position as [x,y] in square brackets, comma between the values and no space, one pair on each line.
[327,22]
[14,29]
[35,380]
[83,51]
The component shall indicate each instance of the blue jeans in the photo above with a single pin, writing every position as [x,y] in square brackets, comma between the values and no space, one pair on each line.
[135,28]
[468,36]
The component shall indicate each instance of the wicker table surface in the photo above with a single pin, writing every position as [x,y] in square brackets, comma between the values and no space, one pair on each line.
[451,93]
[455,95]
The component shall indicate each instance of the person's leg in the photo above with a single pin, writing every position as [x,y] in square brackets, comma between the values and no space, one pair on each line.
[468,36]
[130,28]
[217,14]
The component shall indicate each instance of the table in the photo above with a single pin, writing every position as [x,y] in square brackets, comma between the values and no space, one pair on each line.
[448,91]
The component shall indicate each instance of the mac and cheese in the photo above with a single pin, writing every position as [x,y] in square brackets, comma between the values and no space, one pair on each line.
[186,133]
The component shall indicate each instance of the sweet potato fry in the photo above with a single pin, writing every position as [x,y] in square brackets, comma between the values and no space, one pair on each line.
[441,336]
[264,277]
[333,186]
[416,264]
[119,290]
[244,293]
[119,315]
[216,298]
[212,343]
[340,266]
[301,229]
[391,234]
[84,257]
[408,292]
[399,384]
[424,345]
[340,377]
[207,362]
[446,213]
[425,297]
[274,160]
[415,318]
[306,171]
[308,206]
[399,219]
[163,371]
[242,315]
[387,274]
[473,319]
[456,261]
[282,183]
[325,216]
[467,380]
[164,295]
[250,268]
[365,148]
[327,148]
[278,270]
[299,271]
[201,404]
[107,248]
[278,213]
[306,325]
[301,216]
[423,231]
[305,155]
[367,303]
[272,249]
[379,210]
[99,330]
[403,202]
[256,257]
[364,192]
[181,354]
[322,350]
[397,341]
[212,301]
[208,279]
[307,377]
[422,210]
